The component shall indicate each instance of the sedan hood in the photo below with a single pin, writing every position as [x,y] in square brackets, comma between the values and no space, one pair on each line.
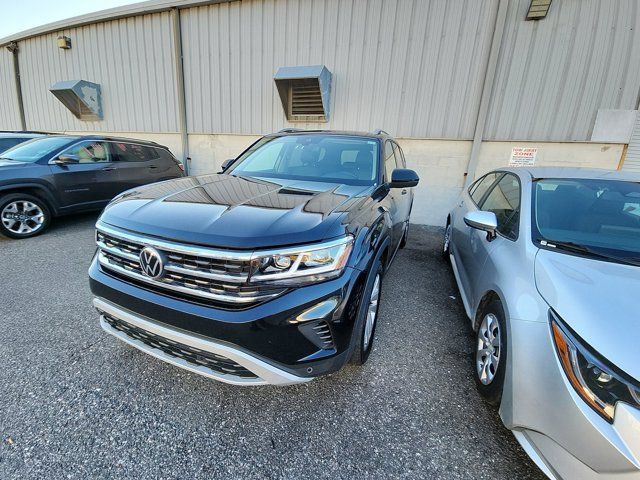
[236,212]
[598,300]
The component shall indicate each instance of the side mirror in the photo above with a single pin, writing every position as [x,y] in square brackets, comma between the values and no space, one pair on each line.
[485,221]
[226,164]
[66,159]
[403,178]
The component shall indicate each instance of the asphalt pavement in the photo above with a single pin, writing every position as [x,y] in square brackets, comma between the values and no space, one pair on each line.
[77,403]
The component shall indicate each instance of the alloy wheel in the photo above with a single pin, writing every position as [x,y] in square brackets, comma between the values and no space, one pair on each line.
[372,312]
[22,217]
[488,349]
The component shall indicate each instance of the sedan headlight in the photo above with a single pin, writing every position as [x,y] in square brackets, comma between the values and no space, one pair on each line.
[598,383]
[301,265]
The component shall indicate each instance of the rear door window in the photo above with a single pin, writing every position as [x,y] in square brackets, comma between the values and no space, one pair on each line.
[133,152]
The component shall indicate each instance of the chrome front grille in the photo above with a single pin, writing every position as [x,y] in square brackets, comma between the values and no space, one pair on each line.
[218,276]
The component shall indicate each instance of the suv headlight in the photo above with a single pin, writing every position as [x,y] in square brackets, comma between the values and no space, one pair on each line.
[599,384]
[301,265]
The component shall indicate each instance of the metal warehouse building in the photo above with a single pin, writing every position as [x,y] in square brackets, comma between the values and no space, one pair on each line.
[461,83]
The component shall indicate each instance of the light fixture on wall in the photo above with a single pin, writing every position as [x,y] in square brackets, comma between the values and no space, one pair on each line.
[538,9]
[64,42]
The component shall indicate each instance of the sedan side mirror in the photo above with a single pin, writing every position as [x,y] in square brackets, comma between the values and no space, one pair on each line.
[403,178]
[66,159]
[226,164]
[482,220]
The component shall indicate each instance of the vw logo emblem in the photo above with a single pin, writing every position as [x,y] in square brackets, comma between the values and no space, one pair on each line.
[151,262]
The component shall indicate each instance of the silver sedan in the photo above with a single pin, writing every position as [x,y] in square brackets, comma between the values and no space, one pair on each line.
[547,261]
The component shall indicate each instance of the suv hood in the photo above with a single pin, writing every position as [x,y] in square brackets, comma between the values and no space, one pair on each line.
[236,212]
[598,300]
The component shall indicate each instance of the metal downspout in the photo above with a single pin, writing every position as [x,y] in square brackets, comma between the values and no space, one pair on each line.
[487,88]
[182,103]
[14,49]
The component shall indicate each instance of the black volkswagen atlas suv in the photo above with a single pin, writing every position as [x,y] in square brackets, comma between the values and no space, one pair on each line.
[268,272]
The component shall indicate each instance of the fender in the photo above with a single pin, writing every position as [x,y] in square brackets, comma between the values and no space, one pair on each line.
[43,191]
[371,243]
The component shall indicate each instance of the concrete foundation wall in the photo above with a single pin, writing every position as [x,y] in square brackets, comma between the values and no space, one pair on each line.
[441,164]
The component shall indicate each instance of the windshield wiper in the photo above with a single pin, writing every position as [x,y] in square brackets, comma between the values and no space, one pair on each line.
[578,248]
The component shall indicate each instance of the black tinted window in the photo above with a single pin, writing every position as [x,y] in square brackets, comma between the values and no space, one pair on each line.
[7,143]
[504,201]
[132,152]
[478,189]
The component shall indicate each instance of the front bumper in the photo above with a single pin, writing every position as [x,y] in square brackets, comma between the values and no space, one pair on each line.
[264,372]
[261,339]
[559,431]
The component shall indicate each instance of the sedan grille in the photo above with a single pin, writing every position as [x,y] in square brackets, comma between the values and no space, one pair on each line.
[212,276]
[195,356]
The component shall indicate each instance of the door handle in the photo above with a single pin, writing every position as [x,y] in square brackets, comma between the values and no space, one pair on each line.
[152,167]
[383,209]
[108,169]
[404,191]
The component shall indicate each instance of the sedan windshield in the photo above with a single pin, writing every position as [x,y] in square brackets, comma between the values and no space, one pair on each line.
[34,150]
[328,158]
[598,218]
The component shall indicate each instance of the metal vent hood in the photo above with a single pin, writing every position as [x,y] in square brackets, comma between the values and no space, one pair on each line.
[305,92]
[82,98]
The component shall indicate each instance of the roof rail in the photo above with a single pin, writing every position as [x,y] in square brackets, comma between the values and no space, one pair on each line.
[290,130]
[26,131]
[379,131]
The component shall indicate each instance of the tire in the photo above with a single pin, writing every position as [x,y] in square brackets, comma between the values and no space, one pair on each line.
[405,236]
[446,241]
[490,354]
[34,213]
[364,330]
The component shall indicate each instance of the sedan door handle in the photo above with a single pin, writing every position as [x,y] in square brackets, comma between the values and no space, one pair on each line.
[404,191]
[152,167]
[108,169]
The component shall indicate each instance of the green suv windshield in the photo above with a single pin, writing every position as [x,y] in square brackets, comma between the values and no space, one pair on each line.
[34,150]
[599,218]
[330,158]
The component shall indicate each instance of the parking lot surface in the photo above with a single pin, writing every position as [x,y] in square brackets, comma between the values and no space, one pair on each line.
[77,403]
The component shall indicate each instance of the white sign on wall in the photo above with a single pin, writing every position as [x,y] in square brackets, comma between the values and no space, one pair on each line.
[523,156]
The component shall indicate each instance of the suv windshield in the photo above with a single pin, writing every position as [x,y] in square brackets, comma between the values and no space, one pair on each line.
[599,218]
[34,150]
[330,158]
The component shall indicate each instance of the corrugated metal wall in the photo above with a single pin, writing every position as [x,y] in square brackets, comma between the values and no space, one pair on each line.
[632,160]
[9,110]
[412,67]
[554,75]
[132,60]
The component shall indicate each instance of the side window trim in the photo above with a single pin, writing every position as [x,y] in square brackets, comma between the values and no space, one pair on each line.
[488,192]
[384,154]
[403,162]
[499,176]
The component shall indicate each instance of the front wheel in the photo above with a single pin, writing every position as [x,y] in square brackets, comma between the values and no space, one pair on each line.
[367,316]
[23,215]
[491,352]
